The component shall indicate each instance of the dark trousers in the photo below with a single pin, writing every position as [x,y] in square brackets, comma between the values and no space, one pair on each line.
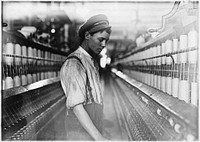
[74,129]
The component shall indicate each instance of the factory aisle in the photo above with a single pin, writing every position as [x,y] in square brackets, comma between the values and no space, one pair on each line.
[55,129]
[111,123]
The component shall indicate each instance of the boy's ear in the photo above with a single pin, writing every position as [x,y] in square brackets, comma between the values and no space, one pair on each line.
[87,35]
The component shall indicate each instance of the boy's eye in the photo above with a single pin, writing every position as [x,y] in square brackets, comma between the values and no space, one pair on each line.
[101,39]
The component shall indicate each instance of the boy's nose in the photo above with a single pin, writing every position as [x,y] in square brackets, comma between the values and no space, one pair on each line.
[103,43]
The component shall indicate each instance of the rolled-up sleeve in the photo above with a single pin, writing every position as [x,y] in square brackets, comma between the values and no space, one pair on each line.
[73,81]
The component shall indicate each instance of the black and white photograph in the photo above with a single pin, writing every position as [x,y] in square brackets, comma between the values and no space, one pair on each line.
[99,70]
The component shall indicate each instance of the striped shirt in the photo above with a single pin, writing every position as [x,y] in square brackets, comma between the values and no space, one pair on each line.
[73,79]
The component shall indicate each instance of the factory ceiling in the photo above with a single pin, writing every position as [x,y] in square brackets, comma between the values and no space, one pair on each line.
[129,19]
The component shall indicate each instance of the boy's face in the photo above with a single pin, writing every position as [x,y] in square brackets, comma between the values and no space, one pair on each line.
[97,41]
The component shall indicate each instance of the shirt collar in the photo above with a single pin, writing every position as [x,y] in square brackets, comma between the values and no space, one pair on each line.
[84,52]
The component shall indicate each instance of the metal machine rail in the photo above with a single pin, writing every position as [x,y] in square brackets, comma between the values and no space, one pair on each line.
[182,117]
[22,89]
[25,108]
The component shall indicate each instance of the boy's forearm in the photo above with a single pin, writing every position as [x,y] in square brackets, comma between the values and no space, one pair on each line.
[87,123]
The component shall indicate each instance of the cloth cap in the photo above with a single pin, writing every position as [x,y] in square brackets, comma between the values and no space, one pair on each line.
[94,24]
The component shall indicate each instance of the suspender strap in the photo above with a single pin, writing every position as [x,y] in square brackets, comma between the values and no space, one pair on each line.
[71,57]
[87,79]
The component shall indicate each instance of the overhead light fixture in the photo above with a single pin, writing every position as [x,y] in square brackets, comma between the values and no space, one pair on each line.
[53,31]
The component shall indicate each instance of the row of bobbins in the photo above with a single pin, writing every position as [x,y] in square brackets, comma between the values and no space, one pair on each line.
[176,73]
[24,65]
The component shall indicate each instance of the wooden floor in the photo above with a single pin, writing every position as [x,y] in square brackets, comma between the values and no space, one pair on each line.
[55,129]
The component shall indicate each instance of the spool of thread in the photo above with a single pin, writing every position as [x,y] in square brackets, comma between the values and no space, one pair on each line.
[158,53]
[38,76]
[9,49]
[49,74]
[152,80]
[42,76]
[192,39]
[24,79]
[158,82]
[194,93]
[46,57]
[175,87]
[30,54]
[43,56]
[30,79]
[52,74]
[39,56]
[192,42]
[175,48]
[50,58]
[168,48]
[163,52]
[145,77]
[55,74]
[148,56]
[18,53]
[24,53]
[163,83]
[140,74]
[149,79]
[53,58]
[192,73]
[9,82]
[155,81]
[183,46]
[34,55]
[34,77]
[46,75]
[152,55]
[183,42]
[169,85]
[17,81]
[184,91]
[3,85]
